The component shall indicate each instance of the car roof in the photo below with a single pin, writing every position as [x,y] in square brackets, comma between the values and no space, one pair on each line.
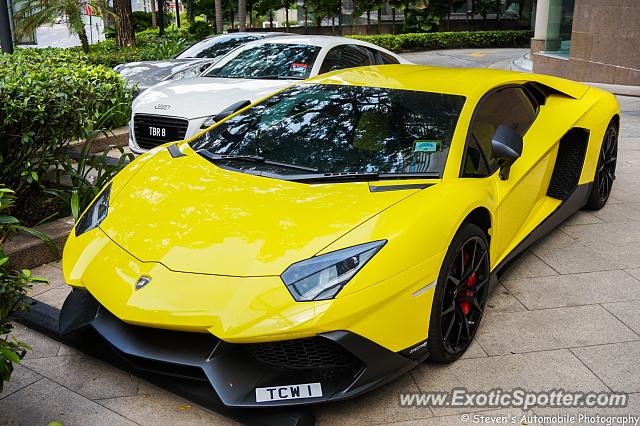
[468,82]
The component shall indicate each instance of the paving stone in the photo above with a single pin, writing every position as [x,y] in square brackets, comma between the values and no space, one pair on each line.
[67,350]
[41,345]
[56,264]
[54,297]
[627,312]
[557,239]
[612,213]
[615,364]
[624,254]
[154,406]
[379,406]
[528,266]
[518,332]
[474,351]
[45,401]
[535,371]
[575,289]
[635,272]
[597,233]
[20,378]
[576,258]
[53,274]
[501,300]
[582,218]
[85,375]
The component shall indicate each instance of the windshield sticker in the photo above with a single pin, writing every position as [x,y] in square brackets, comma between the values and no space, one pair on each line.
[427,146]
[299,67]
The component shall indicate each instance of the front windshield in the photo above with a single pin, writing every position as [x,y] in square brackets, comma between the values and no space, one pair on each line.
[215,47]
[270,61]
[342,129]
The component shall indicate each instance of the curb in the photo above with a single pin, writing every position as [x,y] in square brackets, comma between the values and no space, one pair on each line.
[44,319]
[27,252]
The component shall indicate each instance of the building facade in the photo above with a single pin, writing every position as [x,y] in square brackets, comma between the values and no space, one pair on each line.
[588,40]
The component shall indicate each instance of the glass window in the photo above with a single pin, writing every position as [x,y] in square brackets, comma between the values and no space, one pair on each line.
[270,61]
[340,129]
[510,106]
[388,59]
[347,56]
[558,41]
[215,47]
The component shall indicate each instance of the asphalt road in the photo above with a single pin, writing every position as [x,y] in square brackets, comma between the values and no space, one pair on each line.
[467,58]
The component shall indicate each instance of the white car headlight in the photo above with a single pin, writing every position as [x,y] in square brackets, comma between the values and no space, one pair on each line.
[322,277]
[95,214]
[193,71]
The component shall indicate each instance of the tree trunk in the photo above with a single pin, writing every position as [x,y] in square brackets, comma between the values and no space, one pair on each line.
[178,14]
[368,21]
[353,18]
[242,15]
[161,17]
[393,20]
[306,20]
[231,16]
[154,17]
[270,18]
[286,15]
[125,35]
[379,26]
[84,42]
[218,11]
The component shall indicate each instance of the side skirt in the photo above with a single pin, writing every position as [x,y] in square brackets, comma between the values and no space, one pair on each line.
[571,205]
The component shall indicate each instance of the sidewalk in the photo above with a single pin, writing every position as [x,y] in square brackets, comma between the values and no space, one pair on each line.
[567,315]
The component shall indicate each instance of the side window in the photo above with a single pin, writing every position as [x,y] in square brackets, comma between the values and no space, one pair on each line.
[388,59]
[347,56]
[510,106]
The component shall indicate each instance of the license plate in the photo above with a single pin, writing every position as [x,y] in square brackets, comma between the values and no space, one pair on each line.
[277,393]
[162,133]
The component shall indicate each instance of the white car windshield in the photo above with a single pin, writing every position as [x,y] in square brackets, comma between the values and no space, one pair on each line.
[270,61]
[217,46]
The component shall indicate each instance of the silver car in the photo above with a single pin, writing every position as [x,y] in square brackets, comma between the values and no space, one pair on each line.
[188,63]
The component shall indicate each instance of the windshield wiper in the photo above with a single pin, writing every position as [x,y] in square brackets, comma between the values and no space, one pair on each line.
[357,177]
[274,77]
[253,159]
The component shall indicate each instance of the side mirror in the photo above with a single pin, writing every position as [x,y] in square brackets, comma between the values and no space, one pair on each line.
[506,145]
[235,107]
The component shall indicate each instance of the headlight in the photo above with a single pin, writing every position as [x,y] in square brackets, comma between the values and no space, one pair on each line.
[208,122]
[322,277]
[189,72]
[95,214]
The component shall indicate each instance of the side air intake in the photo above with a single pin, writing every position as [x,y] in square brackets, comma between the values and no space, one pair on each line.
[568,167]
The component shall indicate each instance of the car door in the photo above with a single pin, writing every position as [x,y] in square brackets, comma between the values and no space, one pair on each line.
[346,56]
[518,195]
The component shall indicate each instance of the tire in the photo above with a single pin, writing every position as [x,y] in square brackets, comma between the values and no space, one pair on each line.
[605,171]
[459,301]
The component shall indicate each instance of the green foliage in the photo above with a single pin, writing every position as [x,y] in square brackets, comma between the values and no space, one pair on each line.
[141,21]
[88,175]
[168,48]
[49,97]
[449,40]
[13,289]
[200,30]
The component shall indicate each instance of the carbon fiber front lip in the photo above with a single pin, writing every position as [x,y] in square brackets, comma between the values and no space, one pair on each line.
[230,370]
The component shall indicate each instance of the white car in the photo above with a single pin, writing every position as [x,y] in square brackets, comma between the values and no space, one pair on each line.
[177,110]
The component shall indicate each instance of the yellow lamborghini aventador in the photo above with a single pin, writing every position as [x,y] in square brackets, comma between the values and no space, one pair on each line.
[322,241]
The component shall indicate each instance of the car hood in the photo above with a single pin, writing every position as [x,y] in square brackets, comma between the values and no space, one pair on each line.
[203,96]
[193,216]
[148,73]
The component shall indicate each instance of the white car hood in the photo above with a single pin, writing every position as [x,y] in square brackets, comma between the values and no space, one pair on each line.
[202,96]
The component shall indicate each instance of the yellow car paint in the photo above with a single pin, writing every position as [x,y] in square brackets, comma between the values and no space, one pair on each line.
[215,241]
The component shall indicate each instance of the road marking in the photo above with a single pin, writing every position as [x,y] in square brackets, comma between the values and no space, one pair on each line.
[478,54]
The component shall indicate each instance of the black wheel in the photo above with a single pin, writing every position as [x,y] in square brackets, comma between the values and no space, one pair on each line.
[606,171]
[460,296]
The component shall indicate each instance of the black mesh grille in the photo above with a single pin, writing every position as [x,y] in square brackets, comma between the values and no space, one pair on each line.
[300,354]
[177,129]
[568,167]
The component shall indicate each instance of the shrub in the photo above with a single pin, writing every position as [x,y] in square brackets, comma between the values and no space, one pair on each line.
[449,40]
[141,20]
[13,289]
[47,98]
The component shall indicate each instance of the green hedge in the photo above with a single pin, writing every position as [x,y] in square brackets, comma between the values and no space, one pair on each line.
[449,40]
[47,98]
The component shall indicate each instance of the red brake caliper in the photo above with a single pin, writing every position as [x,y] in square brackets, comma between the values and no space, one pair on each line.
[469,283]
